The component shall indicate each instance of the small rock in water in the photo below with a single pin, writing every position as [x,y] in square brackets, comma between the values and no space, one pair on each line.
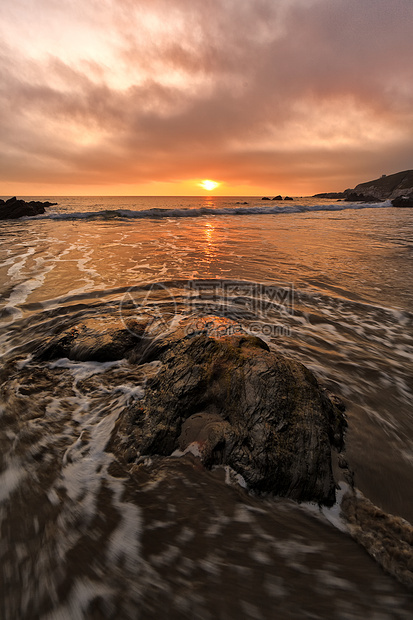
[403,201]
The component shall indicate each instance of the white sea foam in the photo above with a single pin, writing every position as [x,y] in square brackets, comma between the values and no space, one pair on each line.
[17,265]
[159,213]
[84,370]
[124,542]
[333,513]
[339,338]
[84,591]
[21,292]
[10,479]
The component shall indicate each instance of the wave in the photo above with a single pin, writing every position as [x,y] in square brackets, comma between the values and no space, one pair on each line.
[160,213]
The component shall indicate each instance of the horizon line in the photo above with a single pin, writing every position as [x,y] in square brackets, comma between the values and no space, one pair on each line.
[151,195]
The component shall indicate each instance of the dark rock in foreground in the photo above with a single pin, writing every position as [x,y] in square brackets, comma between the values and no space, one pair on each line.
[288,198]
[278,197]
[221,395]
[231,401]
[403,201]
[96,340]
[12,208]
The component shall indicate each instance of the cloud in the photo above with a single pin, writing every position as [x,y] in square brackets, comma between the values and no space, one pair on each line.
[247,91]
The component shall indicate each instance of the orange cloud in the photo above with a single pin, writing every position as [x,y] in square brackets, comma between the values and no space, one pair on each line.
[149,97]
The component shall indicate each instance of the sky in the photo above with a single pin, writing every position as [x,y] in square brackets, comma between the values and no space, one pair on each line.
[151,97]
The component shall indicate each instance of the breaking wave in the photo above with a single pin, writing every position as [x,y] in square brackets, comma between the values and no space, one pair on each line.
[160,213]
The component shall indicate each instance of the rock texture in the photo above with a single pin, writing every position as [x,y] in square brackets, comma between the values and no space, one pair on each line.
[231,401]
[389,187]
[386,187]
[330,195]
[98,340]
[403,201]
[12,208]
[221,395]
[387,538]
[353,196]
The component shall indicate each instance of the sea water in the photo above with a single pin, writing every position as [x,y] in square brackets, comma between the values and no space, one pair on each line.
[327,283]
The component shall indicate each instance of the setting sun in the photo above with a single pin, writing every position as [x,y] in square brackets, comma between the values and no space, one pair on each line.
[209,185]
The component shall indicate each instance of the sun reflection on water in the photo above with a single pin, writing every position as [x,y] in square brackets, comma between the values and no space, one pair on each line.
[209,236]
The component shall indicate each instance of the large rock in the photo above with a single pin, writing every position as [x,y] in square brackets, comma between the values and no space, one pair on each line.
[403,201]
[229,400]
[12,208]
[221,395]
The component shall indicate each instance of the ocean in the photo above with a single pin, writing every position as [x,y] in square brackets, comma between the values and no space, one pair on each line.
[329,284]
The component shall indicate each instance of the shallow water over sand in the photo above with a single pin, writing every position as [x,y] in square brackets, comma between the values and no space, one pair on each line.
[81,538]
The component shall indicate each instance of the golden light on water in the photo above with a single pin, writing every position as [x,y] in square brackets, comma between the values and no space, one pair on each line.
[208,184]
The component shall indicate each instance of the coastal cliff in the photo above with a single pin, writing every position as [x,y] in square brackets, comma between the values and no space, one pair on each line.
[396,187]
[388,187]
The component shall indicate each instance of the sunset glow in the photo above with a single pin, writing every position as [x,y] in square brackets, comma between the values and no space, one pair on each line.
[209,185]
[140,98]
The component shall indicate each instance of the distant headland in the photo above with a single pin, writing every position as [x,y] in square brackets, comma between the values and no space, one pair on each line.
[396,187]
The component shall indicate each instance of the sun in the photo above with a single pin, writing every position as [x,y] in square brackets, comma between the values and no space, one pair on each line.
[208,184]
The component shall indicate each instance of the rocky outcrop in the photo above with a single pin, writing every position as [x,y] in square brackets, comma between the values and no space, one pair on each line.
[12,208]
[229,400]
[98,340]
[403,201]
[279,197]
[331,195]
[358,197]
[386,187]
